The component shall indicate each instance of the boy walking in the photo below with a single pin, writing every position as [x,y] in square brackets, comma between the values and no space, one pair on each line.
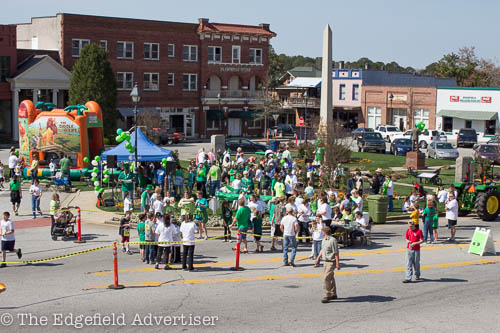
[8,238]
[330,254]
[414,238]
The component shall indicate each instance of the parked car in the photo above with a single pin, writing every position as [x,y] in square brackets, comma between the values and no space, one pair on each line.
[495,140]
[285,129]
[425,138]
[487,151]
[400,146]
[246,145]
[442,150]
[371,141]
[466,136]
[388,131]
[171,136]
[359,131]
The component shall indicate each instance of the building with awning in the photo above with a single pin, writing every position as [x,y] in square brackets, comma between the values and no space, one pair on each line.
[463,107]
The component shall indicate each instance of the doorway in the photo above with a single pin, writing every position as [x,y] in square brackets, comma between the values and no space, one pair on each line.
[177,123]
[399,119]
[234,127]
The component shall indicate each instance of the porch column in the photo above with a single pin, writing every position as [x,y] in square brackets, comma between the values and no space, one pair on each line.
[54,96]
[15,119]
[35,96]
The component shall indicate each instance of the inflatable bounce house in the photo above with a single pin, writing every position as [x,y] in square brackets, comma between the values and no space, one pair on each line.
[76,131]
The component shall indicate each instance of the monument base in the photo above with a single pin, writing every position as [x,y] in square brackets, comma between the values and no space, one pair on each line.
[415,160]
[322,133]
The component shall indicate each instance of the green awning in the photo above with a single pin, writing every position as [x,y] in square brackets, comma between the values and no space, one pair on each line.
[215,114]
[468,115]
[240,114]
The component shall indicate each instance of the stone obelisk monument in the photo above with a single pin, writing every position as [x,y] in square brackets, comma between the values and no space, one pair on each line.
[325,111]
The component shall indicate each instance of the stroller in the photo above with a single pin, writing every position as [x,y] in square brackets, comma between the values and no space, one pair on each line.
[65,224]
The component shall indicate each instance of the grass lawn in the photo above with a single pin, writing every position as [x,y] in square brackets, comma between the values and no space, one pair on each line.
[386,161]
[447,177]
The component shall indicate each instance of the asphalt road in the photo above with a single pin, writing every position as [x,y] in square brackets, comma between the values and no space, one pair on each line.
[458,293]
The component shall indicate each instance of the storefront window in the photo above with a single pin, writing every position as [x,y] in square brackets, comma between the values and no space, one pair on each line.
[374,116]
[447,124]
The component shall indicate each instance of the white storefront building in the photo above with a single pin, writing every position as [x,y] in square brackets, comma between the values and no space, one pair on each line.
[462,107]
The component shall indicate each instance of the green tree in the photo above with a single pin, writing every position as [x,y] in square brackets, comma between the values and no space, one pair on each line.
[93,80]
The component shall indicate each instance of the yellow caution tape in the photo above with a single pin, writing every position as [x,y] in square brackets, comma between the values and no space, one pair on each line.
[176,242]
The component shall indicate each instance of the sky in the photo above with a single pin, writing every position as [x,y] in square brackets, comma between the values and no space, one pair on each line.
[412,33]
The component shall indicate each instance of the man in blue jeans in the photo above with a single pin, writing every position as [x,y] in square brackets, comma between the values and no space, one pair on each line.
[289,227]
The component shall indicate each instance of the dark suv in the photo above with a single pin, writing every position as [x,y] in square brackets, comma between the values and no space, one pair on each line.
[371,141]
[466,136]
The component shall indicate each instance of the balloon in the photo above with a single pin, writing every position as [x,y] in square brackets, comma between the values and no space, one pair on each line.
[119,131]
[106,171]
[164,160]
[202,173]
[94,174]
[282,161]
[119,138]
[86,160]
[131,150]
[128,145]
[94,179]
[170,159]
[97,188]
[127,136]
[101,190]
[97,158]
[96,183]
[95,170]
[105,180]
[94,163]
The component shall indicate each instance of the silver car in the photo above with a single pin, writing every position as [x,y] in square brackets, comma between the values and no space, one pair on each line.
[442,150]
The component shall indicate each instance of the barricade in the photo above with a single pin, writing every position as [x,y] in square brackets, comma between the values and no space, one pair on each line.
[115,285]
[238,246]
[79,222]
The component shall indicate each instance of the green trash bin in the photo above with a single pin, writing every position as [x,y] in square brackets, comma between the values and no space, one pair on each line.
[377,207]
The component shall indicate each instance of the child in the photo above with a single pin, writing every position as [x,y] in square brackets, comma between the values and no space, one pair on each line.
[317,237]
[169,206]
[227,216]
[188,230]
[175,256]
[407,206]
[149,236]
[141,230]
[190,179]
[414,238]
[257,230]
[125,231]
[415,214]
[8,238]
[52,168]
[2,179]
[428,217]
[158,205]
[127,204]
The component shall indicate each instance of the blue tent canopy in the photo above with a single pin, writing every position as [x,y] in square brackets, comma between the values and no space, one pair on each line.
[146,150]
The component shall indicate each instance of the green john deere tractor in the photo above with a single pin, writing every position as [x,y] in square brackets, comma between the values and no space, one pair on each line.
[479,194]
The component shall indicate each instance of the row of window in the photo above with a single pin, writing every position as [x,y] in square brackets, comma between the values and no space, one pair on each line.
[125,50]
[355,92]
[125,81]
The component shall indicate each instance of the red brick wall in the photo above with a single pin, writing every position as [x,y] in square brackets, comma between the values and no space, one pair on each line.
[8,48]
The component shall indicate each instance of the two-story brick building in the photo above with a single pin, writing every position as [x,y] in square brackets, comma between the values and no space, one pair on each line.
[203,78]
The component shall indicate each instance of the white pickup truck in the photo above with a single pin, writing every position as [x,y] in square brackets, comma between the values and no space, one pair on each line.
[426,138]
[388,132]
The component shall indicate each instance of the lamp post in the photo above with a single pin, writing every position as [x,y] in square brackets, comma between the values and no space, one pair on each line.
[391,97]
[136,98]
[305,115]
[220,111]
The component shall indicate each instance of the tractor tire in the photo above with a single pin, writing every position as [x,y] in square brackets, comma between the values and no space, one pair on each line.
[488,205]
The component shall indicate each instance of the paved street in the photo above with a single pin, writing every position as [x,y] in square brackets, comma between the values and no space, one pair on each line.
[265,296]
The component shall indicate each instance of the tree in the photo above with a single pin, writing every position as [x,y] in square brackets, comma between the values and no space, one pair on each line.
[93,80]
[271,107]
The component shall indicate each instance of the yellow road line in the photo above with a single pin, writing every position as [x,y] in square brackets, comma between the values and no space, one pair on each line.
[268,260]
[298,276]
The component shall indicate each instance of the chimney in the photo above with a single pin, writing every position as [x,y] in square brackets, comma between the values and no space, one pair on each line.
[264,26]
[341,64]
[367,66]
[203,21]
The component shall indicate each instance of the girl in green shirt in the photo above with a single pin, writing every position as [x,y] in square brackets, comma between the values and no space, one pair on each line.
[54,208]
[186,204]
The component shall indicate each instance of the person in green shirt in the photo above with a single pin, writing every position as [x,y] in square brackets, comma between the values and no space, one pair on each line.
[54,208]
[257,230]
[319,155]
[141,229]
[186,204]
[428,217]
[125,178]
[279,188]
[232,173]
[214,177]
[246,183]
[242,221]
[179,181]
[201,179]
[227,217]
[64,164]
[146,199]
[16,194]
[201,216]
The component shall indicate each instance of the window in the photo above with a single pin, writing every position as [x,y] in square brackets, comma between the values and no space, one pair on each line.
[190,53]
[4,68]
[468,124]
[151,51]
[355,92]
[448,124]
[236,54]
[342,92]
[125,50]
[254,123]
[125,80]
[213,124]
[374,116]
[190,82]
[214,54]
[171,50]
[421,115]
[256,56]
[152,81]
[104,44]
[77,46]
[171,78]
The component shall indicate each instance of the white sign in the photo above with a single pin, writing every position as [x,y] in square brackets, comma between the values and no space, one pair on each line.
[482,242]
[468,99]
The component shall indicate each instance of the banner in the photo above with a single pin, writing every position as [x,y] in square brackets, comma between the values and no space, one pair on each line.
[54,133]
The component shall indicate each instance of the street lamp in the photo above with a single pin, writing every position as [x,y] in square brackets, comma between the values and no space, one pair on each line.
[136,98]
[391,97]
[220,111]
[305,115]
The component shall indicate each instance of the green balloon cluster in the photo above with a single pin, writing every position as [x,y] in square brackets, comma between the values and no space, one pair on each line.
[164,163]
[86,160]
[421,126]
[125,136]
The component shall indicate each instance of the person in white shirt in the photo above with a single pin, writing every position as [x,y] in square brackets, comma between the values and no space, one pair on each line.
[289,226]
[13,159]
[158,205]
[290,182]
[304,216]
[361,225]
[442,194]
[127,203]
[36,195]
[291,203]
[389,188]
[236,184]
[165,232]
[358,200]
[452,214]
[299,200]
[325,211]
[317,237]
[201,157]
[52,168]
[188,231]
[8,238]
[175,254]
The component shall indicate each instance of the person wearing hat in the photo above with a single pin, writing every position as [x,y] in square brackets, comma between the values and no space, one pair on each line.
[146,199]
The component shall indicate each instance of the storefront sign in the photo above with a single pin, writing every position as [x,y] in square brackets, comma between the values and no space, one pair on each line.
[397,97]
[235,69]
[470,99]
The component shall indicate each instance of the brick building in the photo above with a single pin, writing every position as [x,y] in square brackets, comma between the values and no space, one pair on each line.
[8,61]
[203,78]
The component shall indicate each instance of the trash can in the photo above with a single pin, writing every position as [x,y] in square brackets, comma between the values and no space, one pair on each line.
[275,145]
[377,207]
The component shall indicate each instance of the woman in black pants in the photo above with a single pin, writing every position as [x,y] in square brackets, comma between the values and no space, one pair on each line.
[188,231]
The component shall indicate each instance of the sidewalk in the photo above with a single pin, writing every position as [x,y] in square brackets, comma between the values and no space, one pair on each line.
[87,200]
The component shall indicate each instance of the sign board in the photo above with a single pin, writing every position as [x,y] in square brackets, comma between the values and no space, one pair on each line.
[482,242]
[468,99]
[301,121]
